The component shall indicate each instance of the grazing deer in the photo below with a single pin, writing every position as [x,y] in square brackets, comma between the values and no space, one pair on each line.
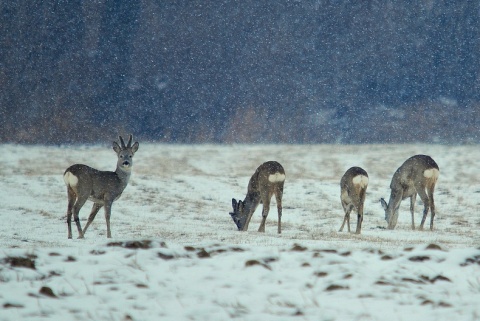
[353,187]
[100,187]
[267,180]
[418,174]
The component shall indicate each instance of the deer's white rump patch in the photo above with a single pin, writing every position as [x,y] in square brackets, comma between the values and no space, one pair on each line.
[360,180]
[70,179]
[277,177]
[431,173]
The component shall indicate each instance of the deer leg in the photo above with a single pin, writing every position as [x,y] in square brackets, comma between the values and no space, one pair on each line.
[278,198]
[279,227]
[266,209]
[426,204]
[71,201]
[361,203]
[279,210]
[347,209]
[413,198]
[359,223]
[432,205]
[432,211]
[76,210]
[359,218]
[95,208]
[343,223]
[108,211]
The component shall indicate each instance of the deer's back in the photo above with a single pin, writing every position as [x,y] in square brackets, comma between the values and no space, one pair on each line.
[354,176]
[422,161]
[88,174]
[353,185]
[418,168]
[88,179]
[267,174]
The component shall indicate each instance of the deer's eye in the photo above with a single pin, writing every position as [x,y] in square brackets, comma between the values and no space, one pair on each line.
[121,156]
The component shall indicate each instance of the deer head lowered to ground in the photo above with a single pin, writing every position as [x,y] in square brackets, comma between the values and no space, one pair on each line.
[353,187]
[101,187]
[267,181]
[418,174]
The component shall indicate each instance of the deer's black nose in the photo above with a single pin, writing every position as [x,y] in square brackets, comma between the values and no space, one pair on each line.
[125,163]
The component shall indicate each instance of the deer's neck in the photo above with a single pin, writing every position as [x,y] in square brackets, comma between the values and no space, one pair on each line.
[123,175]
[251,201]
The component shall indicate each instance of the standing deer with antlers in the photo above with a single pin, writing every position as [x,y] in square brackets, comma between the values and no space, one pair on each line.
[101,187]
[267,181]
[353,187]
[418,174]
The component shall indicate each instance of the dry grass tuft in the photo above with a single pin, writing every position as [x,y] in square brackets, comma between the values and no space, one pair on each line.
[24,262]
[45,290]
[134,245]
[335,287]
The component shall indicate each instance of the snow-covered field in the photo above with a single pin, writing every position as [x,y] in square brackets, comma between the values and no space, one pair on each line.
[176,254]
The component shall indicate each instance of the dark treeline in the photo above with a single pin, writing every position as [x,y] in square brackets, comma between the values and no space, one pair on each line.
[240,71]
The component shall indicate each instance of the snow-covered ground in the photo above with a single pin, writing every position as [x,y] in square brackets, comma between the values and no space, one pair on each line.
[176,254]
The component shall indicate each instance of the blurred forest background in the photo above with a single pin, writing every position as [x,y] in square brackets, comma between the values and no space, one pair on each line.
[306,71]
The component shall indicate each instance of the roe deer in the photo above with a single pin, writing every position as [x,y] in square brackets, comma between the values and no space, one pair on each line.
[267,180]
[100,187]
[418,174]
[353,187]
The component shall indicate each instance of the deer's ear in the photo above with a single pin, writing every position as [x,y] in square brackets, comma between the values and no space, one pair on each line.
[384,204]
[116,147]
[135,147]
[234,204]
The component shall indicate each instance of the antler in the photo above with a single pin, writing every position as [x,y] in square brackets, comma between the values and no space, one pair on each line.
[129,144]
[122,142]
